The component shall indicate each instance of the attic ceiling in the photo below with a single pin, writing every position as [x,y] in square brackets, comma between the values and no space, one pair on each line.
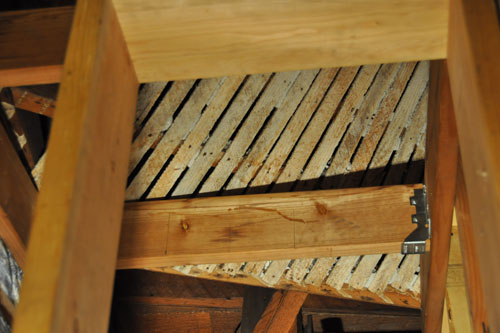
[290,131]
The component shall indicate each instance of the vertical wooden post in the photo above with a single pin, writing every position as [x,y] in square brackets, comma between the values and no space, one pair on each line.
[74,241]
[470,256]
[440,178]
[474,66]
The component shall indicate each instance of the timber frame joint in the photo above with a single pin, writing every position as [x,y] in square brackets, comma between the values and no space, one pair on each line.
[415,242]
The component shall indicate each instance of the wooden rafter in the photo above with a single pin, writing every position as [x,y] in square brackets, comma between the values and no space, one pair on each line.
[474,67]
[67,287]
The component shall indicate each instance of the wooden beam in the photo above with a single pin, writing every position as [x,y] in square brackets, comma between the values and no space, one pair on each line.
[474,66]
[470,256]
[17,199]
[71,256]
[211,38]
[266,226]
[281,312]
[440,178]
[28,101]
[33,43]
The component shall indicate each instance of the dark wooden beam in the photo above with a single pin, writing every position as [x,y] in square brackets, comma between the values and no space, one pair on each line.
[33,44]
[17,199]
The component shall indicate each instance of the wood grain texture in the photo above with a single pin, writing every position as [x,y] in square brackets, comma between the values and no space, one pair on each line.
[29,101]
[17,199]
[456,291]
[440,178]
[265,226]
[33,44]
[281,312]
[470,256]
[474,66]
[68,281]
[210,38]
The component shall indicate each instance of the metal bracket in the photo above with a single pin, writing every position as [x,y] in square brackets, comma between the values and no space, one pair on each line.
[415,242]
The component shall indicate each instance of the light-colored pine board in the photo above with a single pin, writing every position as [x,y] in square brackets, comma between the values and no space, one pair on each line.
[241,37]
[160,121]
[319,272]
[364,271]
[273,96]
[251,164]
[193,143]
[218,140]
[363,115]
[342,271]
[271,168]
[299,269]
[146,98]
[313,133]
[187,119]
[81,203]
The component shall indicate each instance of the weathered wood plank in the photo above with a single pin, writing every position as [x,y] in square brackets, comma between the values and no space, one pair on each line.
[474,66]
[68,281]
[33,43]
[440,177]
[265,226]
[17,199]
[241,37]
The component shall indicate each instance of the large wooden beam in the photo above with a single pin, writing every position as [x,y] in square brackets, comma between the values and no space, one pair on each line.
[170,40]
[72,250]
[185,40]
[440,178]
[281,312]
[266,226]
[17,199]
[474,66]
[33,43]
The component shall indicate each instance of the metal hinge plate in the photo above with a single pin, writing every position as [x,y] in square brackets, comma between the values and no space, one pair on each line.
[415,242]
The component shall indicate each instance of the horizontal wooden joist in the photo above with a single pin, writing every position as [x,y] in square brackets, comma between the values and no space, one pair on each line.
[266,226]
[172,40]
[209,38]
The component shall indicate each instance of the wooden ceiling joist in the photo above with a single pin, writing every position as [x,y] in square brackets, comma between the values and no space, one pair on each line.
[239,37]
[266,226]
[211,38]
